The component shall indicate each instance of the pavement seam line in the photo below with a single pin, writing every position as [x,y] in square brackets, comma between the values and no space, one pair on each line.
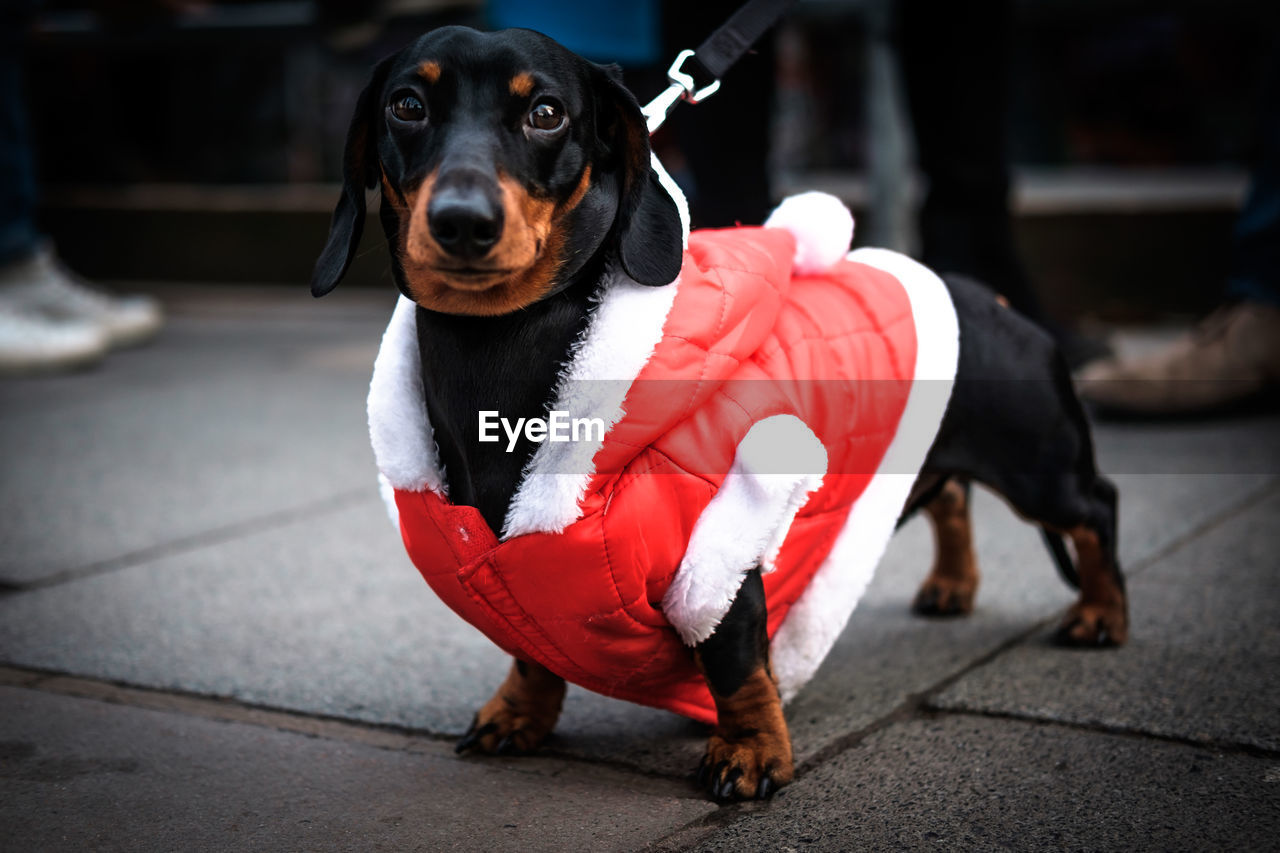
[1247,502]
[387,736]
[216,708]
[916,704]
[930,711]
[193,542]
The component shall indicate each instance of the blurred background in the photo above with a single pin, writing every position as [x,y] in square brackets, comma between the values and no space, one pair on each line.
[201,142]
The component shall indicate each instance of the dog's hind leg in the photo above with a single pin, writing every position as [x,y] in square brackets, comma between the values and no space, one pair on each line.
[1069,498]
[520,715]
[952,583]
[1101,616]
[1072,499]
[1080,505]
[1014,424]
[1075,501]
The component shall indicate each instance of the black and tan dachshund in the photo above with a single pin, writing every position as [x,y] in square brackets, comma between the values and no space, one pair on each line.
[512,172]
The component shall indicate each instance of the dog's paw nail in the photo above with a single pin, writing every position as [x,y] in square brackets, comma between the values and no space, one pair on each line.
[472,737]
[1064,635]
[717,772]
[926,602]
[704,772]
[766,789]
[1078,634]
[507,746]
[728,786]
[714,775]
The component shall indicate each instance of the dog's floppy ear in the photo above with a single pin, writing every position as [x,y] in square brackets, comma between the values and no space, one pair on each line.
[648,233]
[359,173]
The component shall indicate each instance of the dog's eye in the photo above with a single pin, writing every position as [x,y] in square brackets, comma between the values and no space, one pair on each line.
[407,107]
[546,117]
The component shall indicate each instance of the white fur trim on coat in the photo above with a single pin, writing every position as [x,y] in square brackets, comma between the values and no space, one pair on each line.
[620,338]
[778,464]
[823,609]
[404,446]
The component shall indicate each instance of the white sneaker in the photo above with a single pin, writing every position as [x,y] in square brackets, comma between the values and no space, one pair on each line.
[40,285]
[31,343]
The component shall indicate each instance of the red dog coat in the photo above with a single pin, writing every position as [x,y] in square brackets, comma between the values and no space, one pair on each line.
[755,415]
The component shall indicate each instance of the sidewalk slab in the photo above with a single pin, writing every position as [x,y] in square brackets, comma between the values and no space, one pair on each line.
[969,783]
[222,420]
[327,616]
[324,616]
[77,774]
[1202,663]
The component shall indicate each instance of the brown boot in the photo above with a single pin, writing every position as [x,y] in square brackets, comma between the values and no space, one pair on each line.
[1233,355]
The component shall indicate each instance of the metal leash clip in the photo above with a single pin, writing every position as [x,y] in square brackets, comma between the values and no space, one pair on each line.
[682,88]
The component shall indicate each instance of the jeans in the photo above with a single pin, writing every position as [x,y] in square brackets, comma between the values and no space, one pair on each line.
[1255,267]
[19,236]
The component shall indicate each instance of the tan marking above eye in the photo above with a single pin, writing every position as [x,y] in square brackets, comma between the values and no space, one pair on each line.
[429,71]
[521,84]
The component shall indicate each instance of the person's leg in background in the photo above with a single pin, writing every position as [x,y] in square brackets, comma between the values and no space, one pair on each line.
[1234,354]
[18,235]
[49,319]
[955,65]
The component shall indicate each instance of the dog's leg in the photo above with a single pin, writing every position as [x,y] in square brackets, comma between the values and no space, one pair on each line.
[1013,423]
[1101,615]
[1081,505]
[520,714]
[953,581]
[749,753]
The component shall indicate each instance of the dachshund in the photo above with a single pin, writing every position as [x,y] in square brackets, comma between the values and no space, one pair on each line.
[514,177]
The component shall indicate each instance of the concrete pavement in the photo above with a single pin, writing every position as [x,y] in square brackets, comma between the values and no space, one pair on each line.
[211,639]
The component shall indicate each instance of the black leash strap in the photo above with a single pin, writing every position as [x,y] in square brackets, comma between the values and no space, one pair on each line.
[736,36]
[715,56]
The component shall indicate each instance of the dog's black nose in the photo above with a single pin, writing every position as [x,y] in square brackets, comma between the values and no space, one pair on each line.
[466,223]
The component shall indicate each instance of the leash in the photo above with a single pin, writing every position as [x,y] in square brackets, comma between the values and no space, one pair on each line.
[714,57]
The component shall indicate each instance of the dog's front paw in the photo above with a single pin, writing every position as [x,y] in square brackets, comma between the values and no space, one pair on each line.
[943,596]
[520,715]
[506,732]
[752,766]
[1094,625]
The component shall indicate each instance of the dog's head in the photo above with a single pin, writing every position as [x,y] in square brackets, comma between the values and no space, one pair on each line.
[506,164]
